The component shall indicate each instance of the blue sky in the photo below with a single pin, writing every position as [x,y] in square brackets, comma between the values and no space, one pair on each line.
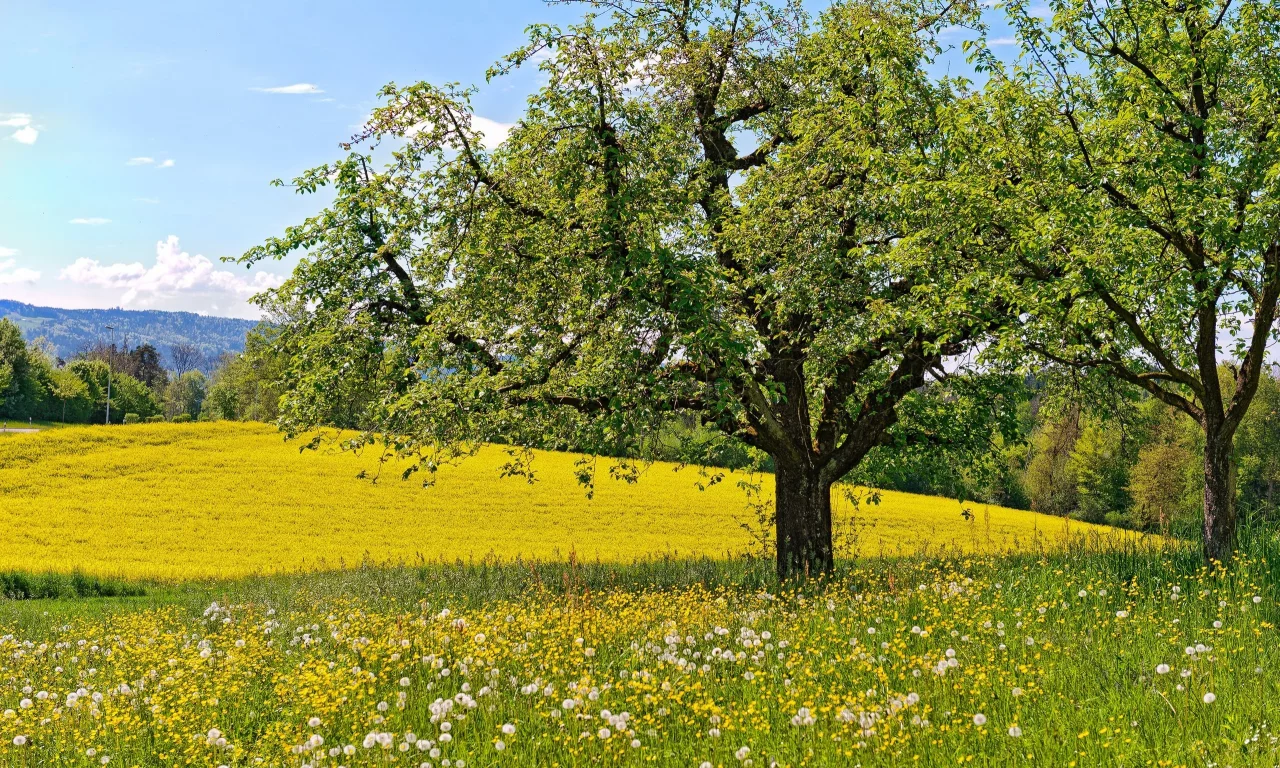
[128,130]
[138,140]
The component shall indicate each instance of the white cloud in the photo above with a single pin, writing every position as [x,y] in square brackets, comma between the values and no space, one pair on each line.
[11,276]
[174,272]
[149,161]
[493,133]
[26,133]
[7,252]
[1004,41]
[296,88]
[92,221]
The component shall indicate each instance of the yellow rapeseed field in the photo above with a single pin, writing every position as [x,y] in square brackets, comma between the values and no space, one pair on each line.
[170,502]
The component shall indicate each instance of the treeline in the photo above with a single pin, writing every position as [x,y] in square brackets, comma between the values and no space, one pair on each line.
[150,385]
[1119,458]
[37,384]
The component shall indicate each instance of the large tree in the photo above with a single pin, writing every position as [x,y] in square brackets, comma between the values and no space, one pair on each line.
[1139,175]
[144,365]
[22,370]
[710,207]
[184,357]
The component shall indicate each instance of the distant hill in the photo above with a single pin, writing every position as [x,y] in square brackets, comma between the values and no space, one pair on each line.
[72,330]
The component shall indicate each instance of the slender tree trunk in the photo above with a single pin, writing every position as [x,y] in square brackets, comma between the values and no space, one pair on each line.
[1219,495]
[803,504]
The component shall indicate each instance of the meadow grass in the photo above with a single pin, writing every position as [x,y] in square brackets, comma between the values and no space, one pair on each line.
[228,638]
[1037,659]
[173,502]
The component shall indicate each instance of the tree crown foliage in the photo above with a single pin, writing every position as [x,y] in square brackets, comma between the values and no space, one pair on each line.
[713,207]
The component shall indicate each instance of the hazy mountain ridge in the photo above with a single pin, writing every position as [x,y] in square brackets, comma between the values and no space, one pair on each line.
[72,330]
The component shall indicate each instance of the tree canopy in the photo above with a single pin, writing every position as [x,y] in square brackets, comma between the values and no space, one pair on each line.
[712,207]
[1133,159]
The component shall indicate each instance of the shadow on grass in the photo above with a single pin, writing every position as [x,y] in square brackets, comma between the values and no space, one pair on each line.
[19,585]
[482,581]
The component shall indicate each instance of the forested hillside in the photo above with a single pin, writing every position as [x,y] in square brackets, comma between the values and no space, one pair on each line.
[74,330]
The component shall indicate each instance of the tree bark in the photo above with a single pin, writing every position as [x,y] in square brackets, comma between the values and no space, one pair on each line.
[1219,495]
[802,502]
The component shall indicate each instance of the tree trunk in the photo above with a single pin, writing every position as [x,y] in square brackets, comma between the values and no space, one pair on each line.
[802,502]
[1219,497]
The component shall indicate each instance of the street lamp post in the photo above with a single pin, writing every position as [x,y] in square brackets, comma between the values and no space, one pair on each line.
[110,356]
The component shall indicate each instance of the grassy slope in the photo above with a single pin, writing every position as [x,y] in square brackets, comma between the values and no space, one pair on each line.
[224,500]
